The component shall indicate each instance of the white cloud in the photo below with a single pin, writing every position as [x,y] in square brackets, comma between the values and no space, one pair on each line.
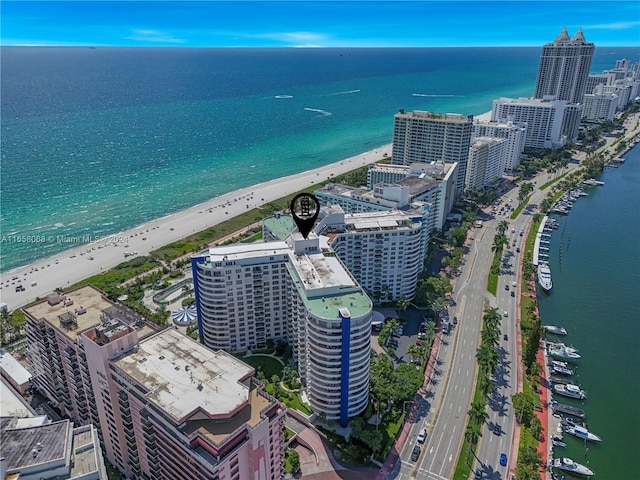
[612,26]
[153,36]
[298,39]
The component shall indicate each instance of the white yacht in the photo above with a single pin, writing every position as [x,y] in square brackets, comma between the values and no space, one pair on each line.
[570,390]
[555,329]
[568,465]
[563,353]
[583,433]
[544,276]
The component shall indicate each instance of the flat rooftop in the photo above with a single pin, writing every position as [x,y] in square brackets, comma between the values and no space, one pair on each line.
[85,457]
[50,441]
[12,404]
[13,369]
[244,251]
[217,432]
[87,299]
[280,225]
[181,375]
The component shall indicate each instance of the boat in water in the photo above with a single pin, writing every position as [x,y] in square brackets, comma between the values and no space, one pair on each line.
[568,410]
[569,390]
[544,276]
[564,353]
[567,465]
[561,370]
[583,433]
[555,329]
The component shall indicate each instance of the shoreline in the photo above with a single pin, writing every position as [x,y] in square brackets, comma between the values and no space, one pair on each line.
[98,255]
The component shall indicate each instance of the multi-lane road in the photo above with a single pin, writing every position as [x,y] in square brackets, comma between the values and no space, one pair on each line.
[443,410]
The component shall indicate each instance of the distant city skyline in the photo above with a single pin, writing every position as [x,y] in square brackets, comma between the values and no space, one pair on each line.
[316,24]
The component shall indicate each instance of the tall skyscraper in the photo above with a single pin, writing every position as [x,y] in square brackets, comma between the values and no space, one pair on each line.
[425,137]
[564,68]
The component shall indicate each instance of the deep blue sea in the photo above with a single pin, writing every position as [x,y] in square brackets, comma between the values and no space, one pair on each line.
[595,266]
[98,140]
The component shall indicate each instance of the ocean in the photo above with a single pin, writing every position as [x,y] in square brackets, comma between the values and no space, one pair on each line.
[595,266]
[98,140]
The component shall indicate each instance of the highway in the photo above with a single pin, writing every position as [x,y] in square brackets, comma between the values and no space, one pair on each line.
[443,409]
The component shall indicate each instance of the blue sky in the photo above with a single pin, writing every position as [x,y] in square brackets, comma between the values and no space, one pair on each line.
[317,24]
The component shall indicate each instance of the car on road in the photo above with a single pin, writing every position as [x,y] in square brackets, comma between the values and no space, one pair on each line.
[518,249]
[513,293]
[422,436]
[415,454]
[505,314]
[455,320]
[505,336]
[503,459]
[506,287]
[477,475]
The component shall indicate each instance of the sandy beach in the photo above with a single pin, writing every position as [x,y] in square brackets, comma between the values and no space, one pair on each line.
[101,254]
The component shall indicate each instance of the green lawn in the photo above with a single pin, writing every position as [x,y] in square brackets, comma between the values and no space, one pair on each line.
[269,365]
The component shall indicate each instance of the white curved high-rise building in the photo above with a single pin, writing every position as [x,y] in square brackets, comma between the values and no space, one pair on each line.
[297,290]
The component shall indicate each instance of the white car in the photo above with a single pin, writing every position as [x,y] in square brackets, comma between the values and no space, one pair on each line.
[422,436]
[505,314]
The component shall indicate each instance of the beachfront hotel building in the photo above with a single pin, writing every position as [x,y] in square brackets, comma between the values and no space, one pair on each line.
[75,343]
[513,132]
[297,290]
[423,193]
[425,137]
[564,68]
[600,105]
[383,250]
[623,81]
[544,119]
[486,162]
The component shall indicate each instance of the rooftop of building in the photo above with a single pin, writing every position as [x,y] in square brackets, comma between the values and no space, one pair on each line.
[243,251]
[182,376]
[251,416]
[13,369]
[325,285]
[377,221]
[12,403]
[81,309]
[85,454]
[444,117]
[418,185]
[280,224]
[28,447]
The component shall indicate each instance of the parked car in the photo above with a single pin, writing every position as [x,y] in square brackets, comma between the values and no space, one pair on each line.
[422,436]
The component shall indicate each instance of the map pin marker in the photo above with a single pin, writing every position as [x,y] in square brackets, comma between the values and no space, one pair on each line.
[305,209]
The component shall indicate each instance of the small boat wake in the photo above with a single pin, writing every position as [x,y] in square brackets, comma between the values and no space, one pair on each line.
[323,113]
[434,95]
[346,93]
[284,96]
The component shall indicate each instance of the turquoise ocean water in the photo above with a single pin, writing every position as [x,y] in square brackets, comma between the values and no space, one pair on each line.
[95,141]
[595,265]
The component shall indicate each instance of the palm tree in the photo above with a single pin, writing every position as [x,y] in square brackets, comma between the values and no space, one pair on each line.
[502,226]
[415,351]
[472,434]
[478,413]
